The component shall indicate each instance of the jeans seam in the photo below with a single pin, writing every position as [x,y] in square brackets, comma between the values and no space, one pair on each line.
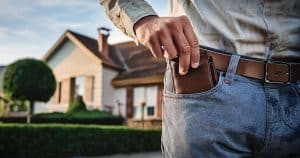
[267,137]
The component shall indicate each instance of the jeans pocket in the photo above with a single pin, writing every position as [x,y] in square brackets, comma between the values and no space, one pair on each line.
[187,118]
[291,111]
[211,91]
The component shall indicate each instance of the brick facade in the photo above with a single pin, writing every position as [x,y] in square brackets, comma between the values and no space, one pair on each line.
[146,124]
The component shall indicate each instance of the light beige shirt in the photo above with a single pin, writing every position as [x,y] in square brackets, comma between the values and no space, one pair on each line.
[257,28]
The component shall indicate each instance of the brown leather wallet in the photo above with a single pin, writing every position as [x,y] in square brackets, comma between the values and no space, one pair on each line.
[197,80]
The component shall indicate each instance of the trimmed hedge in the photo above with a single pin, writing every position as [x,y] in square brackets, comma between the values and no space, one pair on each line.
[77,114]
[57,140]
[78,117]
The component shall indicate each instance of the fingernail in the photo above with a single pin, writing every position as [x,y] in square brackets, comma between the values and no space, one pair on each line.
[182,72]
[195,65]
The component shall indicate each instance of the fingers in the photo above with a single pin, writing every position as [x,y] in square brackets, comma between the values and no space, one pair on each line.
[164,40]
[175,34]
[155,47]
[184,50]
[168,45]
[193,42]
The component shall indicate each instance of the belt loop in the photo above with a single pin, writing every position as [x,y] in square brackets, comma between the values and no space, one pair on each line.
[231,70]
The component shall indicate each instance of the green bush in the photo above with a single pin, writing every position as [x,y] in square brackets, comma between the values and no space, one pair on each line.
[77,105]
[29,79]
[56,140]
[76,114]
[79,117]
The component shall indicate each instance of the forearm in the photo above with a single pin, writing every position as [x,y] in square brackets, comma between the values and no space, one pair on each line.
[125,13]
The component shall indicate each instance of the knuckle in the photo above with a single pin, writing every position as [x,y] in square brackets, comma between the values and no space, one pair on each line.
[152,37]
[172,25]
[169,23]
[175,29]
[184,18]
[162,30]
[186,49]
[194,43]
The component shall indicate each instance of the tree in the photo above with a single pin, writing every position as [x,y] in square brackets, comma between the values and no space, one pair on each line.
[29,79]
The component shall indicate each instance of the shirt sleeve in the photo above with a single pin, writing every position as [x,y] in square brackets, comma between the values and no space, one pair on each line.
[125,13]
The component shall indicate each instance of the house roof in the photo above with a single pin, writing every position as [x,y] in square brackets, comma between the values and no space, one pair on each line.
[142,67]
[88,45]
[135,64]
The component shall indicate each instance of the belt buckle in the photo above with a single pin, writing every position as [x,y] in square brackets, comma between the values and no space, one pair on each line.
[279,75]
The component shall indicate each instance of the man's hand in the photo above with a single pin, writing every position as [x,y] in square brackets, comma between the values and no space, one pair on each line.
[170,37]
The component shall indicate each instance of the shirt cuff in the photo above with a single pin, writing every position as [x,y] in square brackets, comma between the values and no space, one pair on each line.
[131,13]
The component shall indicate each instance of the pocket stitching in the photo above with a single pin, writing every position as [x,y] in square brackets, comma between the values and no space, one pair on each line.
[287,121]
[296,88]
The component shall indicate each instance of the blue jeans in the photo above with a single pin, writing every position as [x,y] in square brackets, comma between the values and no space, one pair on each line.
[239,117]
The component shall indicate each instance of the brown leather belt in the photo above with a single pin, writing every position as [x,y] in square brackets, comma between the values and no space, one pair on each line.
[268,71]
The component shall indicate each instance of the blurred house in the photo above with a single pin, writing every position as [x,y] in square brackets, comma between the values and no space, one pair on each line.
[116,78]
[2,70]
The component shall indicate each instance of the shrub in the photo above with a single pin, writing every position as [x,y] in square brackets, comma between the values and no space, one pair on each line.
[77,105]
[56,140]
[29,79]
[76,114]
[79,117]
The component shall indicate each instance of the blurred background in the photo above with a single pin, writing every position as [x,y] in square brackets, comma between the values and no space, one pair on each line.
[29,28]
[72,85]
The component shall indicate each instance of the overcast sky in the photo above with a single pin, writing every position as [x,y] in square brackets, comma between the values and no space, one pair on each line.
[28,28]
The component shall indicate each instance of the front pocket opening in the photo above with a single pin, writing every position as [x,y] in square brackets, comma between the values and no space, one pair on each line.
[204,93]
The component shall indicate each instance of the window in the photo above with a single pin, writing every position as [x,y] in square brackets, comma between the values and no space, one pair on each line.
[150,111]
[148,95]
[79,86]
